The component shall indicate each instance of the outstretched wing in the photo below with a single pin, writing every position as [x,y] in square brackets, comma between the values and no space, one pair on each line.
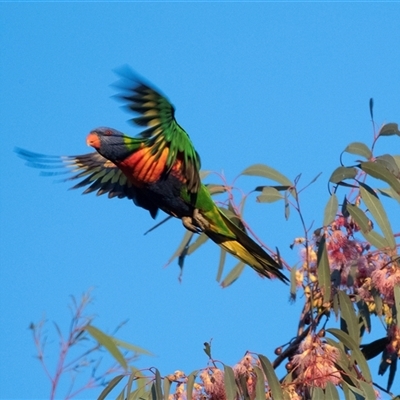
[158,114]
[96,172]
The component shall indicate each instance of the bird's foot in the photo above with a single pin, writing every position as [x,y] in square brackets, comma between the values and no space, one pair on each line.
[188,224]
[201,222]
[197,223]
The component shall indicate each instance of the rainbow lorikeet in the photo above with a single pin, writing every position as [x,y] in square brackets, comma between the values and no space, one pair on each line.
[158,169]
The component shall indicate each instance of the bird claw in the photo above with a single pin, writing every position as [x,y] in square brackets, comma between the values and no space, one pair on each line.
[188,224]
[201,222]
[197,223]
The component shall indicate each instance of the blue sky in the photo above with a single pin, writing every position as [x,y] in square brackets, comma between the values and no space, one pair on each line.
[285,84]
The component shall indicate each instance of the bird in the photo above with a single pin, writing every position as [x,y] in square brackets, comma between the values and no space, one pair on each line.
[159,169]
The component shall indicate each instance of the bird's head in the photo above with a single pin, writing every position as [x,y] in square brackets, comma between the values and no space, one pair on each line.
[109,143]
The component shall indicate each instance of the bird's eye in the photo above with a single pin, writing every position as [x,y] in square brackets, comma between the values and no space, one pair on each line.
[108,132]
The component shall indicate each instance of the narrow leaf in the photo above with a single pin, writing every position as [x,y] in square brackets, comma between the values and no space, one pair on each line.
[233,274]
[222,259]
[356,352]
[166,388]
[331,209]
[187,237]
[389,129]
[293,283]
[267,172]
[389,163]
[317,393]
[375,207]
[190,384]
[331,392]
[229,382]
[397,303]
[389,192]
[378,171]
[156,390]
[111,385]
[341,173]
[376,239]
[371,108]
[323,270]
[273,382]
[359,217]
[131,347]
[260,384]
[364,314]
[201,239]
[359,148]
[368,389]
[287,205]
[269,195]
[348,314]
[106,341]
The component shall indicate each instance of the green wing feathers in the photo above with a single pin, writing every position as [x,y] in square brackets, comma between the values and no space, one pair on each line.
[158,114]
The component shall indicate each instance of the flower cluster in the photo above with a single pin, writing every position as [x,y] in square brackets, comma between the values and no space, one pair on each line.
[314,364]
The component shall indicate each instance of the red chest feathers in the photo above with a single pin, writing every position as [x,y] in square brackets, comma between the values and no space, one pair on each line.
[143,168]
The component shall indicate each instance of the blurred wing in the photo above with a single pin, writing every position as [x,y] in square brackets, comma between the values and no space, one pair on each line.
[96,172]
[158,114]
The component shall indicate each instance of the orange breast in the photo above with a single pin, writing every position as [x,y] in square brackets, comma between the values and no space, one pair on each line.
[142,167]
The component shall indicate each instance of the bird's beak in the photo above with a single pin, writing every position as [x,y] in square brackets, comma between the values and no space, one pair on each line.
[93,140]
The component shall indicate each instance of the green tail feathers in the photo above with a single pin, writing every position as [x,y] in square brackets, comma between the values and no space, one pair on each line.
[240,245]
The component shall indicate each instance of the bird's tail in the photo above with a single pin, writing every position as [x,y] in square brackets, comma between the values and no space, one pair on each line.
[247,250]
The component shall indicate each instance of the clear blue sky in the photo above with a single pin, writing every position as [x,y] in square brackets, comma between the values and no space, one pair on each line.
[284,84]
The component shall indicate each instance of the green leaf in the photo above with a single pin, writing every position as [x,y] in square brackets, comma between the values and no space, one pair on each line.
[359,148]
[233,274]
[317,393]
[201,239]
[341,173]
[293,284]
[364,314]
[166,388]
[356,352]
[389,192]
[287,205]
[269,195]
[267,172]
[111,385]
[389,163]
[273,382]
[376,239]
[260,384]
[229,382]
[222,259]
[397,303]
[156,390]
[107,342]
[360,218]
[375,207]
[215,189]
[348,314]
[378,171]
[121,395]
[190,384]
[368,389]
[331,392]
[378,302]
[323,271]
[389,130]
[187,237]
[131,347]
[331,209]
